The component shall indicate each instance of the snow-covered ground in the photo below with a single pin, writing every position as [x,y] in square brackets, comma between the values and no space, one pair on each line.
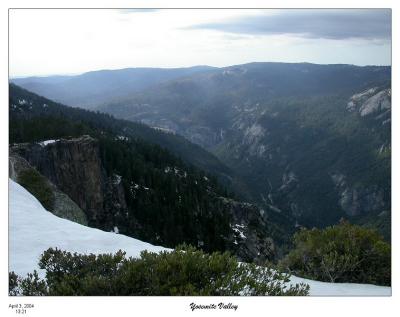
[33,230]
[342,289]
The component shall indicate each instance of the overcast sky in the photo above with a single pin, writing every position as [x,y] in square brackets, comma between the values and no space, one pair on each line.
[44,42]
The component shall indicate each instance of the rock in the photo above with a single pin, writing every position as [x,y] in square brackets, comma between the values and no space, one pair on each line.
[250,241]
[289,182]
[75,167]
[359,98]
[253,134]
[358,200]
[63,206]
[371,101]
[378,102]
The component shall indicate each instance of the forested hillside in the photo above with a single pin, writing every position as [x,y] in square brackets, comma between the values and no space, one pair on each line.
[168,201]
[310,141]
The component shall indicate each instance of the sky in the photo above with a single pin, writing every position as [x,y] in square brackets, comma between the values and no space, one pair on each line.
[72,41]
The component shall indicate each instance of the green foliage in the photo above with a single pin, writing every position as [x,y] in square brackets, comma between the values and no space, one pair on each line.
[381,222]
[185,271]
[31,285]
[341,253]
[13,282]
[38,186]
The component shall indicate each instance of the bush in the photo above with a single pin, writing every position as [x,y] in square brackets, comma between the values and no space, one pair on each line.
[38,186]
[13,284]
[341,253]
[32,285]
[184,271]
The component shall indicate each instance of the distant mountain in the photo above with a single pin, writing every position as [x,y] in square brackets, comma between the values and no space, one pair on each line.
[93,88]
[311,141]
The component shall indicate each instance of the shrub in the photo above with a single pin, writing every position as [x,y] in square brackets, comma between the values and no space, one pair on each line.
[32,285]
[13,284]
[184,271]
[38,186]
[341,253]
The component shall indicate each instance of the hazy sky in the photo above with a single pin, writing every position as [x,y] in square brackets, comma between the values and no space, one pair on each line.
[44,42]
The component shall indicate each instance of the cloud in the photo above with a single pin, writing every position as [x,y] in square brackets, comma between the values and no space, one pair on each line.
[337,24]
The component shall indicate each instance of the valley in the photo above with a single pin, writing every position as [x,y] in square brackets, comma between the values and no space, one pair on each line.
[310,142]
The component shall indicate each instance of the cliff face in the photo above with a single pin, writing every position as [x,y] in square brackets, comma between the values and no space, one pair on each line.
[250,239]
[75,167]
[58,203]
[356,201]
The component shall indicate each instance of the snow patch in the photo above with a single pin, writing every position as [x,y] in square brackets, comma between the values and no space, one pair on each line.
[318,288]
[47,142]
[165,130]
[117,179]
[176,171]
[238,229]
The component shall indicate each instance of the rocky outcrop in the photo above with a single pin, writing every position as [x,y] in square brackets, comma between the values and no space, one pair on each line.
[359,98]
[359,200]
[62,206]
[250,240]
[355,201]
[74,166]
[289,182]
[378,102]
[371,101]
